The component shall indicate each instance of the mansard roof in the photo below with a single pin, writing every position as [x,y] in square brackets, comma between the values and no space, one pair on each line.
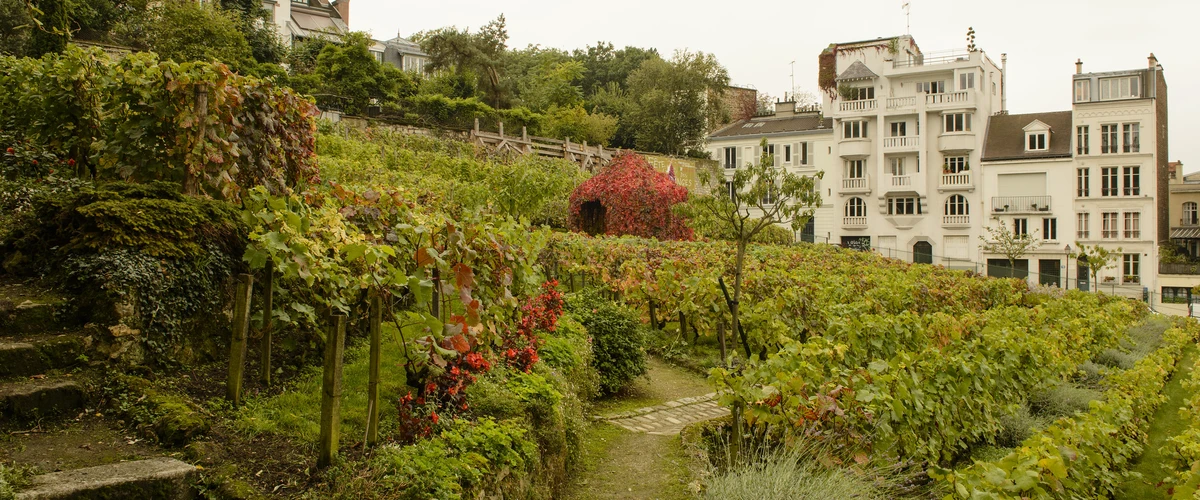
[1006,136]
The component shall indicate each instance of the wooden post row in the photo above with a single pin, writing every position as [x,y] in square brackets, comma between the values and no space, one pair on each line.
[373,380]
[268,323]
[237,344]
[331,391]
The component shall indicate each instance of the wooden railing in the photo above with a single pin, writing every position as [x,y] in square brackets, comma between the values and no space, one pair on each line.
[589,158]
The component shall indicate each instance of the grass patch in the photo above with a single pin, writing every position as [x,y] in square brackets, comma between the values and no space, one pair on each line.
[1165,423]
[296,412]
[794,473]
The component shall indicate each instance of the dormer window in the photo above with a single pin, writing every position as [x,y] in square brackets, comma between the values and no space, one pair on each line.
[1124,87]
[1037,142]
[1037,136]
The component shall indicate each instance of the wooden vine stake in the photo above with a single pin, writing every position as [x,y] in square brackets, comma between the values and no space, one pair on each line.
[268,323]
[331,391]
[237,346]
[373,380]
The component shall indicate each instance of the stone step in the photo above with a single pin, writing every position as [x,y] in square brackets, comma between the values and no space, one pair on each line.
[158,478]
[34,398]
[36,355]
[27,309]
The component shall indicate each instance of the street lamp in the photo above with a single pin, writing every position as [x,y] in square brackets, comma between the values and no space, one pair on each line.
[1067,265]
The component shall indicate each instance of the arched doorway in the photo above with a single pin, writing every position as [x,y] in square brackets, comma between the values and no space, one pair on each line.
[593,213]
[922,253]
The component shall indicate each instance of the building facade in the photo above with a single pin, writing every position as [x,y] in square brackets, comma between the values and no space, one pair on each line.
[921,157]
[295,20]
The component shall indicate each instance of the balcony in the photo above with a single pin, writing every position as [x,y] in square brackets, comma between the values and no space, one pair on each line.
[1020,204]
[854,222]
[957,142]
[854,148]
[854,185]
[904,144]
[902,181]
[864,106]
[957,182]
[1185,268]
[948,100]
[901,103]
[952,221]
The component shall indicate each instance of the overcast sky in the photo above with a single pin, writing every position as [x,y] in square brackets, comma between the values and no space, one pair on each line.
[756,41]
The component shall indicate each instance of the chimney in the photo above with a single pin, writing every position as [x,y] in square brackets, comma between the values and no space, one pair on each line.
[1079,66]
[1004,83]
[1153,61]
[785,108]
[343,9]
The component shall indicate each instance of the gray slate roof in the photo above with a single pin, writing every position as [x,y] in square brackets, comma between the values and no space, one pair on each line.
[770,125]
[857,71]
[1006,136]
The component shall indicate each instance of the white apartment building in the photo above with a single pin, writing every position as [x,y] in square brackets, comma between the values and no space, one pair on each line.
[909,131]
[299,19]
[920,157]
[800,141]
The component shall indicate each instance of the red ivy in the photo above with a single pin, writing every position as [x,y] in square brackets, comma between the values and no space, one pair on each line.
[637,200]
[539,314]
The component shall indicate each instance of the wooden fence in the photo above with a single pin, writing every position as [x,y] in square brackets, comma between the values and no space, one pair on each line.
[589,158]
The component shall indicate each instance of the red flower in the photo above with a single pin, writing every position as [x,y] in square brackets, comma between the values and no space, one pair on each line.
[9,151]
[71,162]
[434,417]
[35,162]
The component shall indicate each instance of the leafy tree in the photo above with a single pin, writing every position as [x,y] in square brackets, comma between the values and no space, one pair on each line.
[605,66]
[15,23]
[259,31]
[554,86]
[460,50]
[302,57]
[1012,246]
[350,71]
[674,103]
[1097,258]
[614,101]
[578,125]
[52,28]
[183,30]
[757,197]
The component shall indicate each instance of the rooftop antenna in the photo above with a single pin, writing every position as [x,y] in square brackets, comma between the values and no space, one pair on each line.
[907,18]
[793,80]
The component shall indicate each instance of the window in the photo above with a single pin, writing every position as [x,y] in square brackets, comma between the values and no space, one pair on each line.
[856,207]
[1083,182]
[1036,142]
[955,165]
[854,129]
[1132,225]
[966,81]
[1081,140]
[805,154]
[1133,181]
[731,160]
[1020,227]
[1132,267]
[898,166]
[1108,181]
[1108,139]
[903,206]
[1109,231]
[899,129]
[1189,214]
[1083,90]
[787,154]
[1132,143]
[1050,228]
[1083,226]
[957,205]
[931,87]
[769,198]
[861,93]
[854,169]
[1123,87]
[771,153]
[958,122]
[729,192]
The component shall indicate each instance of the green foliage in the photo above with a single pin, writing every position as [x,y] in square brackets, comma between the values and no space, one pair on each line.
[1063,400]
[52,28]
[1183,449]
[449,112]
[796,472]
[183,31]
[480,53]
[568,352]
[617,340]
[348,70]
[675,103]
[604,65]
[1000,240]
[1016,427]
[15,27]
[1096,258]
[1085,456]
[464,460]
[576,124]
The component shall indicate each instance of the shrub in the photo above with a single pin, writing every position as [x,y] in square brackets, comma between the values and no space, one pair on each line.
[633,199]
[1063,400]
[568,352]
[800,471]
[617,340]
[1016,427]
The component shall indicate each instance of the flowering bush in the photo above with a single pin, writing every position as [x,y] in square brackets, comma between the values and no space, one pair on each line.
[541,313]
[635,200]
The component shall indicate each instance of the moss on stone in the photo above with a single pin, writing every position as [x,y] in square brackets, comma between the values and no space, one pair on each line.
[173,419]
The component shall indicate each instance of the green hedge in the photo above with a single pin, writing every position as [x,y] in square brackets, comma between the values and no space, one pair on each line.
[1086,456]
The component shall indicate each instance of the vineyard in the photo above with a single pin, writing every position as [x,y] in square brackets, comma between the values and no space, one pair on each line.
[479,334]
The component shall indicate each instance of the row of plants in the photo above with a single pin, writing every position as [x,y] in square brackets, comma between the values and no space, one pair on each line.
[1184,448]
[140,119]
[1084,456]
